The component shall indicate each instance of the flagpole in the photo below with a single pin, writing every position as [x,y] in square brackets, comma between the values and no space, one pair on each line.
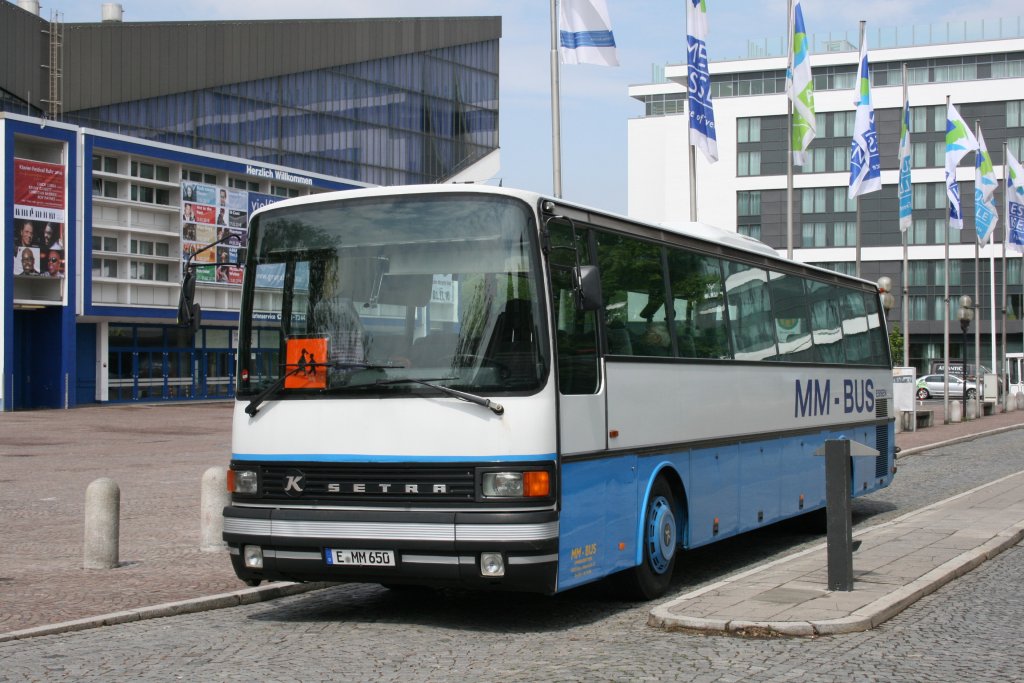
[693,176]
[1004,371]
[945,310]
[863,28]
[789,143]
[906,276]
[556,132]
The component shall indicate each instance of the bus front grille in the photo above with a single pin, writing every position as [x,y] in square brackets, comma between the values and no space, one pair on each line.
[353,483]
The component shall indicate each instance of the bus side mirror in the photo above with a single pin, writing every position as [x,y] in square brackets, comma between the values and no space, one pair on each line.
[189,312]
[588,288]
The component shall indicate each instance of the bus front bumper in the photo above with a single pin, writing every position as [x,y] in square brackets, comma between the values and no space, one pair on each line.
[427,548]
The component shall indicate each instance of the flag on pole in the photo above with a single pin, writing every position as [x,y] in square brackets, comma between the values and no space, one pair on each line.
[959,141]
[985,183]
[702,116]
[1015,204]
[905,189]
[800,87]
[585,33]
[865,165]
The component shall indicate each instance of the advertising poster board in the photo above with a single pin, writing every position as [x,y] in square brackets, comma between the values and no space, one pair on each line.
[40,191]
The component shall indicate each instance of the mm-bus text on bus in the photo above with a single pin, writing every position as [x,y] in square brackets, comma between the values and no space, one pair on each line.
[489,388]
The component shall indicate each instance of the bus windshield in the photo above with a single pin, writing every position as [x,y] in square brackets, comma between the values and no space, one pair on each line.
[389,295]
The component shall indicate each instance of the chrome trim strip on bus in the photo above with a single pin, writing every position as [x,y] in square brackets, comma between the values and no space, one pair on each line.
[535,559]
[429,559]
[293,555]
[397,508]
[506,532]
[386,531]
[659,449]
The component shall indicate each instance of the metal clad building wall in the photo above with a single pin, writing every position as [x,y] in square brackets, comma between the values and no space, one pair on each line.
[109,63]
[23,48]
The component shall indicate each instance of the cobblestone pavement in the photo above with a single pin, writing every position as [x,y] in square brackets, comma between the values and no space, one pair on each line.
[158,455]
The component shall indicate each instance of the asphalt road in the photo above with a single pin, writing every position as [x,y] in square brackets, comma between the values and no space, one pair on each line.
[968,630]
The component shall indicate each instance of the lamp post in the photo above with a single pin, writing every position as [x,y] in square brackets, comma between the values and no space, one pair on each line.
[888,301]
[965,314]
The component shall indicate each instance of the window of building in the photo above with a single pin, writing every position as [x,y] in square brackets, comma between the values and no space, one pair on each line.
[844,234]
[842,124]
[1014,119]
[282,191]
[841,158]
[141,169]
[101,187]
[243,184]
[104,163]
[1013,271]
[814,235]
[1016,147]
[814,161]
[919,154]
[198,176]
[939,153]
[748,130]
[748,163]
[841,201]
[813,200]
[103,243]
[150,195]
[104,267]
[748,203]
[750,231]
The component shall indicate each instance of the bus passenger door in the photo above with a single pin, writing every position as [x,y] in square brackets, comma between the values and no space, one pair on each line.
[582,422]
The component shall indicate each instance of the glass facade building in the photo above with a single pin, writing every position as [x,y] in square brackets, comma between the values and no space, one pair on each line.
[414,118]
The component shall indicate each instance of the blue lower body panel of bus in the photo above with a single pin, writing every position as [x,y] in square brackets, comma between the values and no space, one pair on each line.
[395,547]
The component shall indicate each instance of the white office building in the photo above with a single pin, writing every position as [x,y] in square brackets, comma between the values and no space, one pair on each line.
[979,66]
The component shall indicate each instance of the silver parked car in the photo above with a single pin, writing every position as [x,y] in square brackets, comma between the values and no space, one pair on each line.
[933,385]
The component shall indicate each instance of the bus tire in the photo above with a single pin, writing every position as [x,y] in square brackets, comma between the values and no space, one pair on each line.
[651,578]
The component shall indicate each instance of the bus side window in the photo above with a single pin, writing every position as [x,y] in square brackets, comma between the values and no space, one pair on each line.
[575,330]
[699,313]
[633,284]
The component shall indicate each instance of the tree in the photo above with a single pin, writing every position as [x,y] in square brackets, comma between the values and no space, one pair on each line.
[896,345]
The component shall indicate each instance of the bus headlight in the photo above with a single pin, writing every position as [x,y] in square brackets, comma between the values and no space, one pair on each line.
[529,484]
[243,481]
[253,556]
[492,564]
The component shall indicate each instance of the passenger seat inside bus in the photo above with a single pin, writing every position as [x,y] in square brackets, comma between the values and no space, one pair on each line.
[512,343]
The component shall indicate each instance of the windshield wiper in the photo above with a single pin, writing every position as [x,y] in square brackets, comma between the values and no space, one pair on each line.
[258,399]
[493,406]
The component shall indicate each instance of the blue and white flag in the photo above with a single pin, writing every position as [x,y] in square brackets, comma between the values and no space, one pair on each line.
[702,116]
[585,33]
[1015,204]
[865,165]
[985,183]
[959,141]
[800,87]
[906,193]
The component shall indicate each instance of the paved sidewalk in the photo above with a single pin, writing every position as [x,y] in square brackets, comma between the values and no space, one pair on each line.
[157,454]
[898,562]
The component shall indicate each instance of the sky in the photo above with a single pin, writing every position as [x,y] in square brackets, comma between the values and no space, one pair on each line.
[595,103]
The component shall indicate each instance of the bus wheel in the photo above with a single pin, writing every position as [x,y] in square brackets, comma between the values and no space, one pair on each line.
[651,578]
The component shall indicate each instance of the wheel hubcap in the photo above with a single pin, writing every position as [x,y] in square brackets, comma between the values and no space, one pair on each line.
[661,535]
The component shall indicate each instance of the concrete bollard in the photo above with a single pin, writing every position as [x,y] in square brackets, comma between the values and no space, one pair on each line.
[972,409]
[102,524]
[1020,400]
[955,412]
[1009,403]
[213,499]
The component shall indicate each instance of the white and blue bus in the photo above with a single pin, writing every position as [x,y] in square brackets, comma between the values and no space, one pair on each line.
[490,388]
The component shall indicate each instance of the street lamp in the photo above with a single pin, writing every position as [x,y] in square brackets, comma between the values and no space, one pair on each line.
[885,289]
[965,314]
